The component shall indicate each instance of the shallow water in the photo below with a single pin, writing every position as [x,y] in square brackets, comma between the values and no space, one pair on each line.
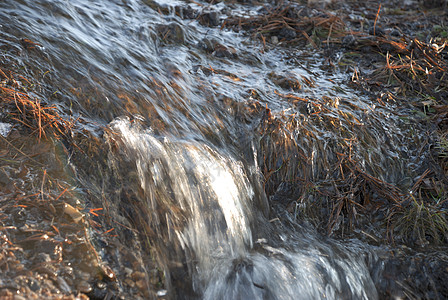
[174,99]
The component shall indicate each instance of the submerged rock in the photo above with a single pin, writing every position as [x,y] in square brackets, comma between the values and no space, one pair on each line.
[210,18]
[171,33]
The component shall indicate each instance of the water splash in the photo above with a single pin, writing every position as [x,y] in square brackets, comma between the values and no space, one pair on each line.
[216,198]
[291,275]
[5,128]
[212,191]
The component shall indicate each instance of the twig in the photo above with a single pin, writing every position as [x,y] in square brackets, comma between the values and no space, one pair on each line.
[376,19]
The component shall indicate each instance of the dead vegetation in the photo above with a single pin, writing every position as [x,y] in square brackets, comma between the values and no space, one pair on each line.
[385,60]
[29,109]
[415,68]
[290,24]
[341,198]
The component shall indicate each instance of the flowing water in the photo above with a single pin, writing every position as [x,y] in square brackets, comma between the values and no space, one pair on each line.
[178,109]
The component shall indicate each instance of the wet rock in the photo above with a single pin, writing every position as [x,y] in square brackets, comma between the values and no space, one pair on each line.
[210,18]
[142,284]
[386,47]
[241,279]
[349,41]
[6,294]
[217,49]
[84,287]
[128,271]
[33,284]
[67,270]
[223,51]
[65,288]
[101,285]
[297,11]
[171,33]
[19,266]
[129,282]
[48,270]
[187,12]
[240,265]
[99,291]
[287,33]
[106,273]
[206,44]
[286,81]
[395,32]
[73,212]
[69,281]
[42,258]
[83,275]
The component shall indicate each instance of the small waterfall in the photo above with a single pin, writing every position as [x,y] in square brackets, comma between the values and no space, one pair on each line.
[211,194]
[212,217]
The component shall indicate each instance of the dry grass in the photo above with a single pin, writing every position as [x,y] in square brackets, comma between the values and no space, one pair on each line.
[29,110]
[417,67]
[283,22]
[420,221]
[337,198]
[400,66]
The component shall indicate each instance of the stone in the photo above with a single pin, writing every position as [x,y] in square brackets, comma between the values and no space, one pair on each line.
[210,18]
[84,287]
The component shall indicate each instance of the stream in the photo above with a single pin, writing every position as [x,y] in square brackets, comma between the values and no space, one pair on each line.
[196,137]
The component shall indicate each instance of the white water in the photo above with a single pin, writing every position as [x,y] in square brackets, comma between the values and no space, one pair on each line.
[5,128]
[213,227]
